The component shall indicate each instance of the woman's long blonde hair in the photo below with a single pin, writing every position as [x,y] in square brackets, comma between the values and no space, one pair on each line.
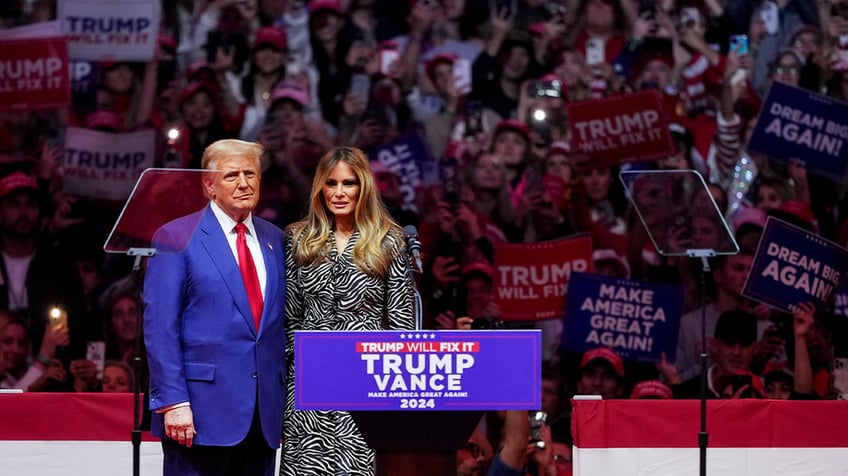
[372,252]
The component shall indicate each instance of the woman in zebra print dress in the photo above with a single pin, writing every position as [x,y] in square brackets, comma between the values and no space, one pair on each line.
[345,270]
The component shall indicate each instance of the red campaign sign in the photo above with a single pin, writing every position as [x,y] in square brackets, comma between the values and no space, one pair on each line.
[531,278]
[618,129]
[34,73]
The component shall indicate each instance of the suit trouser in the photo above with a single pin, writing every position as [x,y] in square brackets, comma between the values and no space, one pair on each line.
[251,457]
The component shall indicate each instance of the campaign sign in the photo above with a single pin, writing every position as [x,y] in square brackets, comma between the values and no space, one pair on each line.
[104,165]
[792,266]
[34,73]
[799,125]
[841,305]
[418,370]
[44,29]
[637,319]
[409,158]
[531,278]
[117,30]
[622,128]
[84,81]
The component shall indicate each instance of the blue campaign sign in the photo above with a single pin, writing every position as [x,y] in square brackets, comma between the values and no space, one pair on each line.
[796,124]
[637,319]
[792,266]
[409,158]
[418,370]
[840,306]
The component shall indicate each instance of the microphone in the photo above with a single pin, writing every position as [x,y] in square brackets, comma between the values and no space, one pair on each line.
[413,246]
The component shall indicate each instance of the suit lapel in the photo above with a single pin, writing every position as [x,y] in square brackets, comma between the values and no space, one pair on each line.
[221,255]
[266,244]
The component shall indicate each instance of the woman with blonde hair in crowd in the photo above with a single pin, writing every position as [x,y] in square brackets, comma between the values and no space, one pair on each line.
[117,377]
[15,371]
[346,270]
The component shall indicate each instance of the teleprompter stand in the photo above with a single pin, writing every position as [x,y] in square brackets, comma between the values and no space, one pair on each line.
[159,196]
[682,220]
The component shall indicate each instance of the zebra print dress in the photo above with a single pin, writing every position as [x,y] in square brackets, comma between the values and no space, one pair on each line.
[335,295]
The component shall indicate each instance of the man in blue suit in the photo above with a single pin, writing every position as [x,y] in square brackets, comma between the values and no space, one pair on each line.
[213,326]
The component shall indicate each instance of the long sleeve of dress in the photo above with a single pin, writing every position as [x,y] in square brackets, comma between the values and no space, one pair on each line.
[399,293]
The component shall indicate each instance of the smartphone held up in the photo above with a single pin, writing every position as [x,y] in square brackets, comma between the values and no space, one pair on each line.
[58,318]
[389,53]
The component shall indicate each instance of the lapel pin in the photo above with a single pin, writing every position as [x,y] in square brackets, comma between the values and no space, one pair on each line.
[270,247]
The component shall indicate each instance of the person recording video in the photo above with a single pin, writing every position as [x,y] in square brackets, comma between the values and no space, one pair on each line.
[460,236]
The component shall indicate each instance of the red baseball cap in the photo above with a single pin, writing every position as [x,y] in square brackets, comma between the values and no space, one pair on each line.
[195,67]
[103,119]
[193,87]
[513,125]
[605,354]
[799,209]
[291,90]
[333,6]
[412,3]
[271,36]
[537,29]
[168,43]
[749,216]
[651,389]
[441,58]
[16,181]
[479,267]
[558,147]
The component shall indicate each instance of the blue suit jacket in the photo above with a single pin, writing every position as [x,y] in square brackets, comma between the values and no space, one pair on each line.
[201,341]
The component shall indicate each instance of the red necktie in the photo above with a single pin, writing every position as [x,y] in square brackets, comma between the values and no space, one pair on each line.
[248,274]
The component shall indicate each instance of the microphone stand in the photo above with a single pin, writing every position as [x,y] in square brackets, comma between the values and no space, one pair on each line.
[703,436]
[139,253]
[413,246]
[416,301]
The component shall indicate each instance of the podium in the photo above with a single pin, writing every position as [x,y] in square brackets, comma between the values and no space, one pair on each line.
[417,396]
[416,443]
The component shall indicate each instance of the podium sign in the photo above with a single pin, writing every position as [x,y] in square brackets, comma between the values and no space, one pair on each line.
[418,370]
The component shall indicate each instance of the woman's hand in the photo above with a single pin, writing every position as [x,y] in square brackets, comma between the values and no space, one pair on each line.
[445,320]
[55,372]
[501,22]
[85,375]
[61,219]
[464,323]
[54,337]
[50,163]
[543,456]
[668,370]
[803,319]
[445,271]
[468,220]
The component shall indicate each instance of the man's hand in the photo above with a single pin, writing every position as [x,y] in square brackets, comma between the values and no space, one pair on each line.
[179,425]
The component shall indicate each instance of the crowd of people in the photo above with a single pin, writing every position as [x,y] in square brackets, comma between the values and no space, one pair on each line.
[485,84]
